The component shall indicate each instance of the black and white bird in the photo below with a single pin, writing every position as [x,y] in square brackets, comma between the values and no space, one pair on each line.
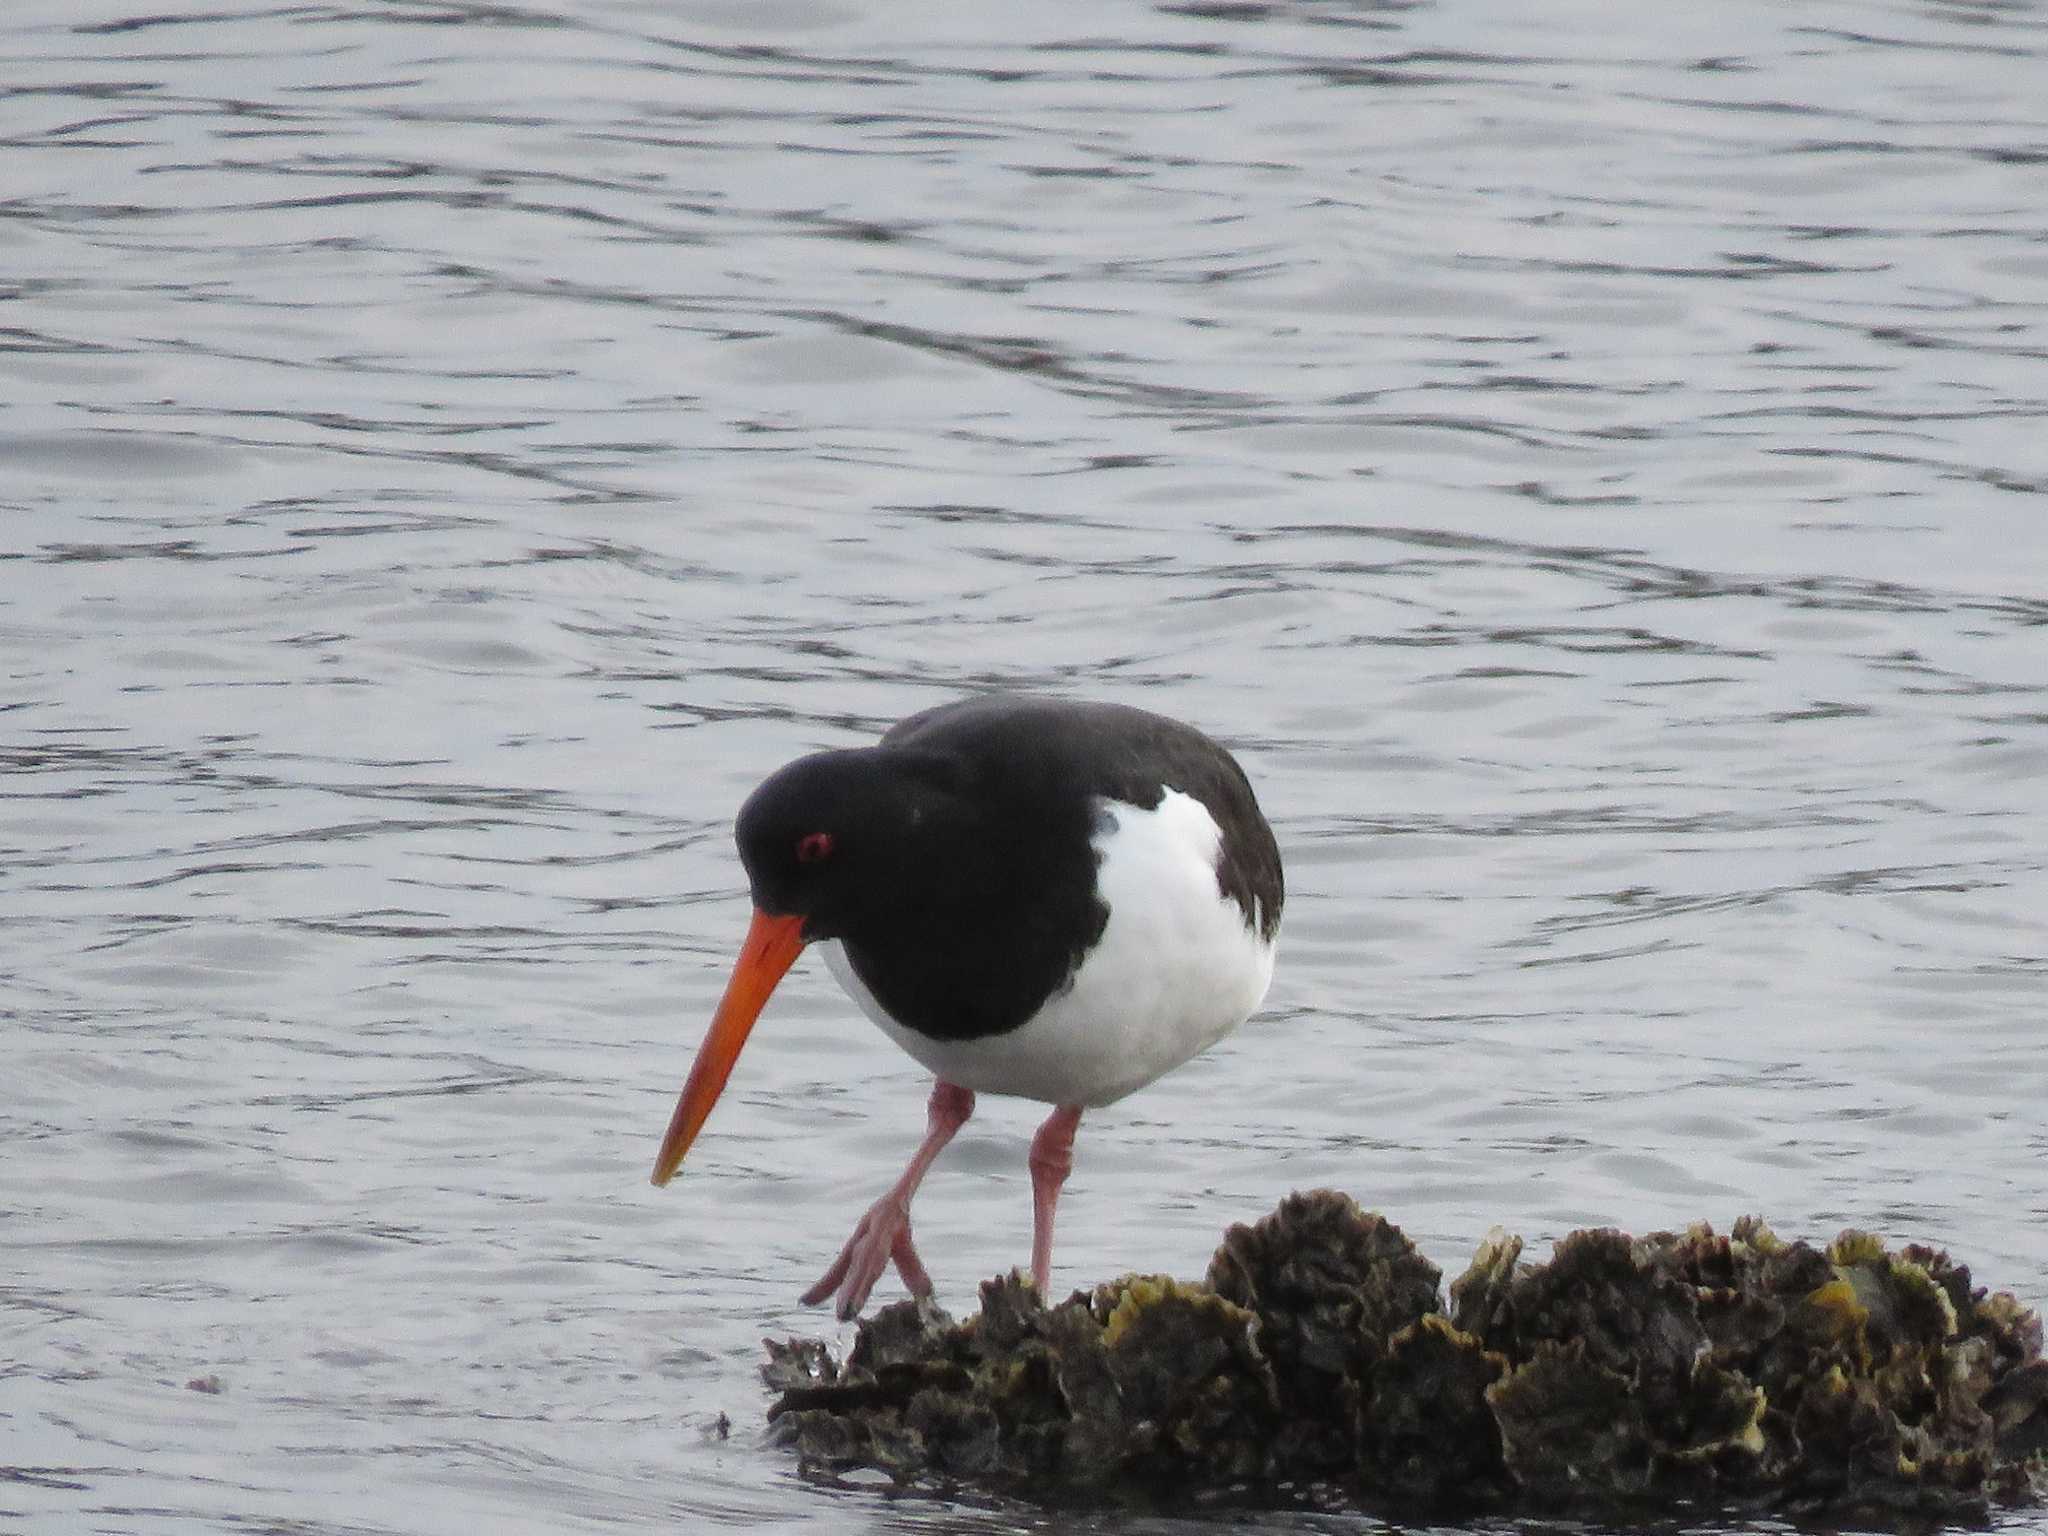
[1059,901]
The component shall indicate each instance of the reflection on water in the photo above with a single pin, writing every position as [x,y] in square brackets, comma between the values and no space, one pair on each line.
[1585,463]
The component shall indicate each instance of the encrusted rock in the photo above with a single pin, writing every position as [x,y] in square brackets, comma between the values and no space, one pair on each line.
[1317,1363]
[1331,1285]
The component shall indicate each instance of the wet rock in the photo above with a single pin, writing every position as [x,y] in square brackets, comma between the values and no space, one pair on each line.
[1317,1363]
[1148,1381]
[1478,1295]
[1331,1284]
[1428,1438]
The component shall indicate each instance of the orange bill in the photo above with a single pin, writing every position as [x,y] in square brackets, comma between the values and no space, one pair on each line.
[771,947]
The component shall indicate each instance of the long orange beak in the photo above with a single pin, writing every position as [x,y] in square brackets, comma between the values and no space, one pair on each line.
[771,947]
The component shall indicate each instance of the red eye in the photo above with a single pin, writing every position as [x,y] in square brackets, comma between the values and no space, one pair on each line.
[814,848]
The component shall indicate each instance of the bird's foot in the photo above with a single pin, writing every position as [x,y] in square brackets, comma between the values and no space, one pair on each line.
[883,1235]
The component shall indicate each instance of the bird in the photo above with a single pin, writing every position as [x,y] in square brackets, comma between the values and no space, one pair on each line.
[1051,899]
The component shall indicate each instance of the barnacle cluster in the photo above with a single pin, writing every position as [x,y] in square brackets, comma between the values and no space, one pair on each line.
[1320,1363]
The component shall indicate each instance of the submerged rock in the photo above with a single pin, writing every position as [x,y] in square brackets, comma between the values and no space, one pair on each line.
[1318,1363]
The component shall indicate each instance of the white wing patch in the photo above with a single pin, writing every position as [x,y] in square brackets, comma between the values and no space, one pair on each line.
[1176,969]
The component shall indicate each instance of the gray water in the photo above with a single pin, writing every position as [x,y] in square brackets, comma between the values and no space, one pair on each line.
[1588,459]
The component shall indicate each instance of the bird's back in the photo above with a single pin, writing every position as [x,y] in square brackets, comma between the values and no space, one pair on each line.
[1040,752]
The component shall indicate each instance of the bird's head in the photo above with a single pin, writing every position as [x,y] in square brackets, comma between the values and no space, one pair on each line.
[830,841]
[837,835]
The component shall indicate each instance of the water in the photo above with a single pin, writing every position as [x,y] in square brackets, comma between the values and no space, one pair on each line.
[1588,461]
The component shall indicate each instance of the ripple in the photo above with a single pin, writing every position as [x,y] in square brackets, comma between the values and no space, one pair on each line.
[115,455]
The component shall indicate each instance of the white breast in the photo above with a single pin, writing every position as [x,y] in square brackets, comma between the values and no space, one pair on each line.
[1176,969]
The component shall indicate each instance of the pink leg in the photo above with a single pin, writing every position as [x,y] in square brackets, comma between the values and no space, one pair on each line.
[884,1232]
[1052,1158]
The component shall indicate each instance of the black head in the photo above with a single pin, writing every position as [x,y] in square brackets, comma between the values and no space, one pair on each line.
[837,835]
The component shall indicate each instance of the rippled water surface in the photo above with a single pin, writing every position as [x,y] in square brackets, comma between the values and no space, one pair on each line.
[1589,460]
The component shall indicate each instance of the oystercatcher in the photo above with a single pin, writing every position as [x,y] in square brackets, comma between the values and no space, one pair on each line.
[1055,900]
